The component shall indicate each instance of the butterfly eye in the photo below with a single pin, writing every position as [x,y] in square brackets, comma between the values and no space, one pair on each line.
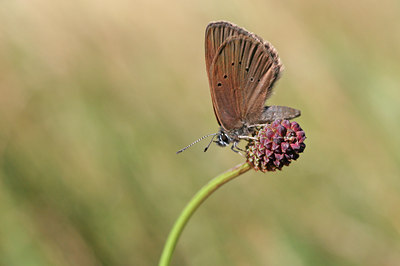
[251,79]
[219,84]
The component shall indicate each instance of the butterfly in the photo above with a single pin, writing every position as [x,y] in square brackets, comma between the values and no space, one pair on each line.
[242,70]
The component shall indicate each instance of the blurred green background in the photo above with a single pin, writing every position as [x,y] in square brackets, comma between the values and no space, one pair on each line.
[97,96]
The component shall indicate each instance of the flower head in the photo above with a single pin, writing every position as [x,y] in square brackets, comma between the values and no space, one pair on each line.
[276,145]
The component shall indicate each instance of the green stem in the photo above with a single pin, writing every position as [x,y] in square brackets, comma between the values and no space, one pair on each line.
[193,204]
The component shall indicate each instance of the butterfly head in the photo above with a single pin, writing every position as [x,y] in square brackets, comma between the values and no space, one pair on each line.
[223,139]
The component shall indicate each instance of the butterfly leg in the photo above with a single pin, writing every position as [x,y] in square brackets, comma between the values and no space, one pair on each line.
[235,147]
[247,138]
[258,125]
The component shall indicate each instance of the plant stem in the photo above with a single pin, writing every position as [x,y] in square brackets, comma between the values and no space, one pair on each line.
[193,204]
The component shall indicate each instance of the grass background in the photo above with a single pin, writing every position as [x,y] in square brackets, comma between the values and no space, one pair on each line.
[96,97]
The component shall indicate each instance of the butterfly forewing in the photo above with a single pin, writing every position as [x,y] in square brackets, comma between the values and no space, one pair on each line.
[216,33]
[241,75]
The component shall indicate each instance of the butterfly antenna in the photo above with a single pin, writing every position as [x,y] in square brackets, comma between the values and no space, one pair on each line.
[210,143]
[200,139]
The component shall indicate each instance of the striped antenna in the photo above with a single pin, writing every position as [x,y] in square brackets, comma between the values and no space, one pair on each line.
[200,139]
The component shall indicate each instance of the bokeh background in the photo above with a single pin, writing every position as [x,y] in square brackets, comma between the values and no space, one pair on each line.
[96,97]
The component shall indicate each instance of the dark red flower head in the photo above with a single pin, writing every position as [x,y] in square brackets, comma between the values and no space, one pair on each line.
[276,145]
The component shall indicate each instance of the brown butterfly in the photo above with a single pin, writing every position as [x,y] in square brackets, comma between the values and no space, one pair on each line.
[242,70]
